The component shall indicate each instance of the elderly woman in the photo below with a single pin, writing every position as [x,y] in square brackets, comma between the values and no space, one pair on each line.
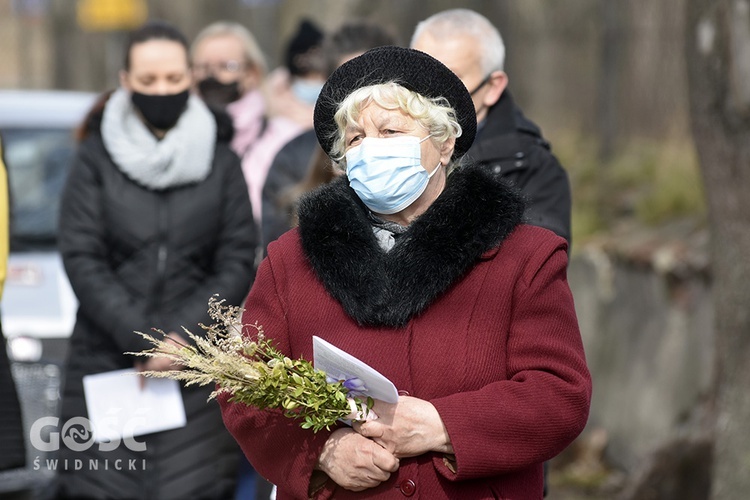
[424,270]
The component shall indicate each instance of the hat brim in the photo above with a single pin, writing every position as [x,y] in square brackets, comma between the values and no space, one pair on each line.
[414,70]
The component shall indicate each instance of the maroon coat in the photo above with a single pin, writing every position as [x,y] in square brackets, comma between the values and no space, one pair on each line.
[470,310]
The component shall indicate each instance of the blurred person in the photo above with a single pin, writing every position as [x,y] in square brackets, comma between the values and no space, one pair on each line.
[227,63]
[508,144]
[13,454]
[155,219]
[229,68]
[421,267]
[320,171]
[293,87]
[305,62]
[301,165]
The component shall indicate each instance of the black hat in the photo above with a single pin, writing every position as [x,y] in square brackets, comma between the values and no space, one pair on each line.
[414,70]
[299,58]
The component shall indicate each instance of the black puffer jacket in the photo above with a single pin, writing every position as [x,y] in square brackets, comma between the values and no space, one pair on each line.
[139,259]
[512,147]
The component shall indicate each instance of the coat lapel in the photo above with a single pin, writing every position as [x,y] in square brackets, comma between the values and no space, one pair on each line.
[474,214]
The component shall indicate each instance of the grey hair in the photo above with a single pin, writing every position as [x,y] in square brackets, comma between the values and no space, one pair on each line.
[467,22]
[253,54]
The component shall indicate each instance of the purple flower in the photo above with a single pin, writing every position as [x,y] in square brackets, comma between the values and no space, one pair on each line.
[355,385]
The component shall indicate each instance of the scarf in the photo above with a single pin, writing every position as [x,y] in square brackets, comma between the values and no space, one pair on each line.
[183,156]
[378,286]
[385,231]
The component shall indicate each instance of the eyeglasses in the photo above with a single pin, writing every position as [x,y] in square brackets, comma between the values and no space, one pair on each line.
[481,84]
[220,67]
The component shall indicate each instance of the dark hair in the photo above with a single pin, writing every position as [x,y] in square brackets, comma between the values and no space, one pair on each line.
[320,171]
[93,119]
[356,36]
[303,50]
[154,30]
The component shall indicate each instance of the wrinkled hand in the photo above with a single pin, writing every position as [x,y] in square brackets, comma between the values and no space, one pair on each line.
[408,428]
[354,462]
[160,364]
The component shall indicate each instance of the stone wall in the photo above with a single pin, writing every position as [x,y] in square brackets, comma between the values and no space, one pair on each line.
[646,319]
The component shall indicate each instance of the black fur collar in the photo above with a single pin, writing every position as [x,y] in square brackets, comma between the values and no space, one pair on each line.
[474,214]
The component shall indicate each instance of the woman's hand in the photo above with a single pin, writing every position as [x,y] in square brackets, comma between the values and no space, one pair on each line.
[354,462]
[160,364]
[408,428]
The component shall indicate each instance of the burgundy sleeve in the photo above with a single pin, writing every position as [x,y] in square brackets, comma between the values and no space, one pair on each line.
[544,403]
[277,447]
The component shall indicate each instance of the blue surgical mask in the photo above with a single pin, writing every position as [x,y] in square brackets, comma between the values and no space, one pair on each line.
[306,90]
[387,173]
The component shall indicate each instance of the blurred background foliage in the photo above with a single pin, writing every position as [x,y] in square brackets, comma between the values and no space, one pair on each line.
[647,182]
[604,79]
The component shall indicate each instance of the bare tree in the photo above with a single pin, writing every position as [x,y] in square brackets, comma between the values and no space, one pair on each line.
[718,61]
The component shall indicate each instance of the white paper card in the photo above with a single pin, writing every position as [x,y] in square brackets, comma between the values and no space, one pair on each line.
[120,408]
[341,365]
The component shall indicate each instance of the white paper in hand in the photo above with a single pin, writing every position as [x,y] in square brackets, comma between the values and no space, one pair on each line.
[119,408]
[341,365]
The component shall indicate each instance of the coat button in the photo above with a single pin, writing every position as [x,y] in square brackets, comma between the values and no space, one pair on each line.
[403,393]
[407,487]
[497,169]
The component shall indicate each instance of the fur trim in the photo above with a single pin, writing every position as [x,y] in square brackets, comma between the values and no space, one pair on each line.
[474,214]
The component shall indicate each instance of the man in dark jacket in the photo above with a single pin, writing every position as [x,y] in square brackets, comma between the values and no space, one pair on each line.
[507,143]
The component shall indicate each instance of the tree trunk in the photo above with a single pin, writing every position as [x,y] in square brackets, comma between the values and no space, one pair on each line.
[718,61]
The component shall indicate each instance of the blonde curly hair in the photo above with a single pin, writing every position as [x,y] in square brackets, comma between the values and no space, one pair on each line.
[434,114]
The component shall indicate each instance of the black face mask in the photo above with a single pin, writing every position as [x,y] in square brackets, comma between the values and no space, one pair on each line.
[161,111]
[219,94]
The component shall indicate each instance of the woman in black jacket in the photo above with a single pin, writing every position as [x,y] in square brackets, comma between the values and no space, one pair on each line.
[155,218]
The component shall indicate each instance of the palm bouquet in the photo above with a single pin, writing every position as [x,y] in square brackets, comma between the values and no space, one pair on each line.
[255,373]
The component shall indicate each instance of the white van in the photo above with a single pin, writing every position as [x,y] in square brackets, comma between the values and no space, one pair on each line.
[38,306]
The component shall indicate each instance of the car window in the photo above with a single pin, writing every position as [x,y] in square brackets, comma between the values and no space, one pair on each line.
[38,161]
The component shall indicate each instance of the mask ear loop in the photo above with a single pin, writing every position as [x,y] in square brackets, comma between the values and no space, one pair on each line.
[440,164]
[429,176]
